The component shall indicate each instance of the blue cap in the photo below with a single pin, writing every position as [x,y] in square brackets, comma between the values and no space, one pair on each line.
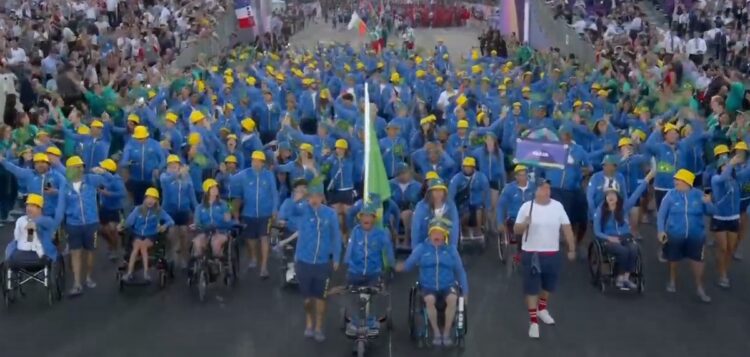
[284,145]
[565,129]
[401,168]
[610,160]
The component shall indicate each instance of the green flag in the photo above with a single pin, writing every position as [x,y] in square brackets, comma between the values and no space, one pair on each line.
[376,179]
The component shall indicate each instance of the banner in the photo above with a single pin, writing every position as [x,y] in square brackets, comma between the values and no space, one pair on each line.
[245,14]
[541,153]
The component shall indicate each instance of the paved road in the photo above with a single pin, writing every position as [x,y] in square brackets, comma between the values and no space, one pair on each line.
[259,319]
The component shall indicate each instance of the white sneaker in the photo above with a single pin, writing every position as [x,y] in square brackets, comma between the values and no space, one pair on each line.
[545,317]
[534,331]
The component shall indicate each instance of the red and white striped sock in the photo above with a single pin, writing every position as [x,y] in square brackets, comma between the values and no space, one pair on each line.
[532,316]
[542,304]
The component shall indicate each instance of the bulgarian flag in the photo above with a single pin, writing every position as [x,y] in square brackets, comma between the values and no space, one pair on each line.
[357,22]
[245,14]
[376,179]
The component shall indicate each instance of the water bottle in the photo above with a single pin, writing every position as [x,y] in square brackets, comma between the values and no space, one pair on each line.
[460,324]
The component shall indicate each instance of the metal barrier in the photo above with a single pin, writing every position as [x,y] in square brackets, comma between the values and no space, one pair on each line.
[546,32]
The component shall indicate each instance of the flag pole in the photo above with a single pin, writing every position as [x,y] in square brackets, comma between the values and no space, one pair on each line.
[366,194]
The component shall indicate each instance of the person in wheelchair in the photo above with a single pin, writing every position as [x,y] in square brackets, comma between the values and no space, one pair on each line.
[612,230]
[513,196]
[469,188]
[436,204]
[368,247]
[212,216]
[440,267]
[32,243]
[146,222]
[406,193]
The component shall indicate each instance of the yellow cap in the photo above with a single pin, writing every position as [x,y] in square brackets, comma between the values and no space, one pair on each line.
[250,80]
[439,79]
[109,165]
[196,116]
[685,176]
[641,134]
[36,200]
[428,119]
[74,161]
[151,94]
[721,149]
[194,139]
[306,147]
[577,104]
[97,124]
[231,137]
[740,145]
[325,94]
[173,159]
[431,175]
[140,132]
[229,106]
[347,67]
[476,69]
[230,159]
[603,92]
[525,90]
[258,155]
[624,141]
[341,144]
[360,65]
[596,86]
[208,184]
[229,80]
[462,124]
[41,133]
[83,130]
[395,77]
[248,124]
[669,126]
[134,118]
[502,87]
[418,60]
[516,104]
[520,168]
[171,117]
[280,76]
[469,161]
[152,192]
[481,116]
[438,228]
[53,150]
[420,73]
[461,100]
[41,157]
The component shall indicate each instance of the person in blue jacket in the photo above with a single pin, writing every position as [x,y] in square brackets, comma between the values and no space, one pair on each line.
[436,203]
[469,189]
[604,180]
[612,228]
[681,229]
[112,196]
[145,222]
[179,201]
[42,227]
[212,216]
[41,180]
[631,166]
[366,251]
[491,162]
[260,202]
[406,193]
[341,181]
[440,268]
[513,196]
[142,157]
[286,211]
[318,250]
[81,220]
[725,221]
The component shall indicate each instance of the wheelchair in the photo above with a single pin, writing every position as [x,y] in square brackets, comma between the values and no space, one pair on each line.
[603,267]
[419,325]
[285,254]
[471,243]
[207,269]
[50,274]
[509,248]
[157,260]
[362,334]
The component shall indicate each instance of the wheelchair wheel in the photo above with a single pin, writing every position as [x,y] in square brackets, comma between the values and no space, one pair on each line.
[202,284]
[596,259]
[60,279]
[413,333]
[502,248]
[639,269]
[361,348]
[163,279]
[234,263]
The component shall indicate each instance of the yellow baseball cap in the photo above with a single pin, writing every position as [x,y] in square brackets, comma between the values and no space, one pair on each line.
[248,124]
[173,159]
[469,161]
[208,184]
[34,199]
[109,165]
[41,157]
[341,144]
[462,124]
[53,150]
[140,132]
[74,161]
[258,155]
[152,192]
[685,176]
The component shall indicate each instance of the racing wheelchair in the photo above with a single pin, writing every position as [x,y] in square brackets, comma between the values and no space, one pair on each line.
[419,325]
[27,267]
[157,260]
[206,269]
[365,327]
[603,266]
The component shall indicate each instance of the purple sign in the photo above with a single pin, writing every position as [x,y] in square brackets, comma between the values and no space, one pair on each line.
[541,153]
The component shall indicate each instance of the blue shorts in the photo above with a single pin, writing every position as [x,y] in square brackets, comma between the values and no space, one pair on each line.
[541,277]
[180,218]
[574,202]
[107,216]
[344,197]
[439,295]
[313,279]
[255,227]
[82,237]
[362,280]
[678,249]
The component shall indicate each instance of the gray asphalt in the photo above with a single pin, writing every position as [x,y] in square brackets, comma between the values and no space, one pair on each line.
[260,319]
